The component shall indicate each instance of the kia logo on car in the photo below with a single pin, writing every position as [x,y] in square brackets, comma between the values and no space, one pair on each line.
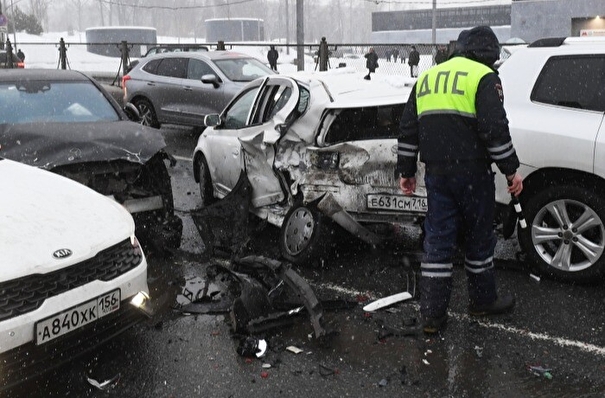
[62,253]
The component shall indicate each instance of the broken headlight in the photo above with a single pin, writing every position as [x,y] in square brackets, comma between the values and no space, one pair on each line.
[325,160]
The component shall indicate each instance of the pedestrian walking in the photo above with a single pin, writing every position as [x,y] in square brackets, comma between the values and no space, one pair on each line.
[272,57]
[371,62]
[395,55]
[413,61]
[323,54]
[455,120]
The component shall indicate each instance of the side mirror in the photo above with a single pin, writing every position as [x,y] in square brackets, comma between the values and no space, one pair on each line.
[132,112]
[212,120]
[211,79]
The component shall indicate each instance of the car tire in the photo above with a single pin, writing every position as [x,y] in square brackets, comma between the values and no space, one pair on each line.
[205,183]
[565,236]
[304,235]
[147,112]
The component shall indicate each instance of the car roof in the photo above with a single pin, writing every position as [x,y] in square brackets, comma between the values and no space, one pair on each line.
[205,55]
[42,74]
[350,90]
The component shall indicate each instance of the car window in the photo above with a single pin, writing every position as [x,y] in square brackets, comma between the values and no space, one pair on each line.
[242,69]
[273,99]
[574,82]
[368,123]
[197,68]
[236,116]
[42,101]
[151,66]
[172,67]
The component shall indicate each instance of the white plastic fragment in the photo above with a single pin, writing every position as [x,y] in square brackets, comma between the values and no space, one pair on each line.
[386,301]
[424,361]
[262,348]
[294,349]
[105,385]
[535,277]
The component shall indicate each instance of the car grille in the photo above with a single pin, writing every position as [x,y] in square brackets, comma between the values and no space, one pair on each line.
[23,295]
[30,361]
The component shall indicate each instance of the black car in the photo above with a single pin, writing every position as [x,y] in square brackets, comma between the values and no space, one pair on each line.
[65,122]
[17,63]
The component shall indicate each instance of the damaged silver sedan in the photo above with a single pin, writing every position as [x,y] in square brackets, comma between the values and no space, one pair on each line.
[65,122]
[315,150]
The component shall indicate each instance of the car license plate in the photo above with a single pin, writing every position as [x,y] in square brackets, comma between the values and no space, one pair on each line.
[397,203]
[76,317]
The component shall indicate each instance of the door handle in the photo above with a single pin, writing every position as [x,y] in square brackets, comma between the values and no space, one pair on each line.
[187,88]
[151,83]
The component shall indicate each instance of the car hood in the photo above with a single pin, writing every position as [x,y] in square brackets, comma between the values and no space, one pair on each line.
[42,212]
[48,145]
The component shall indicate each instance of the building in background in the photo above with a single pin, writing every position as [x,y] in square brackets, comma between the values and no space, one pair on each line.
[532,19]
[416,26]
[234,29]
[526,19]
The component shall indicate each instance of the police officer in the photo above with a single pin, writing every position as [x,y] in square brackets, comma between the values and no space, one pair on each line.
[456,120]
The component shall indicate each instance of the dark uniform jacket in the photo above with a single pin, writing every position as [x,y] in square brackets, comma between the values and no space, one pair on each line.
[455,118]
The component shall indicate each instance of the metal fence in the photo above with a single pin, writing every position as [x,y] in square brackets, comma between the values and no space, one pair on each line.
[393,58]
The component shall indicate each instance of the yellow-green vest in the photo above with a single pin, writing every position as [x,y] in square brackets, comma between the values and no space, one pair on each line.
[450,88]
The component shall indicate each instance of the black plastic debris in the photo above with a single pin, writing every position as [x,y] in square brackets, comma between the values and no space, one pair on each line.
[252,347]
[224,225]
[409,327]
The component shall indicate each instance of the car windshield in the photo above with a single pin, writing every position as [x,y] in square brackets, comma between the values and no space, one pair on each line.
[34,101]
[242,69]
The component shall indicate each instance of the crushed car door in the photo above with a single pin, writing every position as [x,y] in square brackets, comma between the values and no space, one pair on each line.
[275,111]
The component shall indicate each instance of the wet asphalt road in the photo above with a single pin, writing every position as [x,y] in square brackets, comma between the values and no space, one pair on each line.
[554,326]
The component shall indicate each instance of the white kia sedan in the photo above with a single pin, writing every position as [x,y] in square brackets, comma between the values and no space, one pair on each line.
[69,266]
[317,149]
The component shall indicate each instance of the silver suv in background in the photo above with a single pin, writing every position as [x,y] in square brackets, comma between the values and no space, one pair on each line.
[554,95]
[183,87]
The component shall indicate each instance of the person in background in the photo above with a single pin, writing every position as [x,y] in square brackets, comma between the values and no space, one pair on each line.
[371,62]
[455,119]
[272,57]
[21,55]
[441,55]
[413,61]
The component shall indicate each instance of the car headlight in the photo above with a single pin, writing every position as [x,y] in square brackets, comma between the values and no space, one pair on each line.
[325,160]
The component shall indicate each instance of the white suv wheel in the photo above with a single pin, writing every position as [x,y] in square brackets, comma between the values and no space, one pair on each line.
[566,234]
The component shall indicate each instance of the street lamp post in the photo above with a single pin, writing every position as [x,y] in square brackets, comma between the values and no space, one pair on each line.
[434,32]
[14,28]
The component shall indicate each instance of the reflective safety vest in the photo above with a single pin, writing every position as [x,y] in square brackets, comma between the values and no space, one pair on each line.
[450,88]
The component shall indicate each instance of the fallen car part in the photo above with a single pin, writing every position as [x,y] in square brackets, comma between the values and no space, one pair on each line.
[387,301]
[330,207]
[410,327]
[297,284]
[252,347]
[224,224]
[105,385]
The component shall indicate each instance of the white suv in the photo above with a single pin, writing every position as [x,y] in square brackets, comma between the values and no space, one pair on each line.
[554,95]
